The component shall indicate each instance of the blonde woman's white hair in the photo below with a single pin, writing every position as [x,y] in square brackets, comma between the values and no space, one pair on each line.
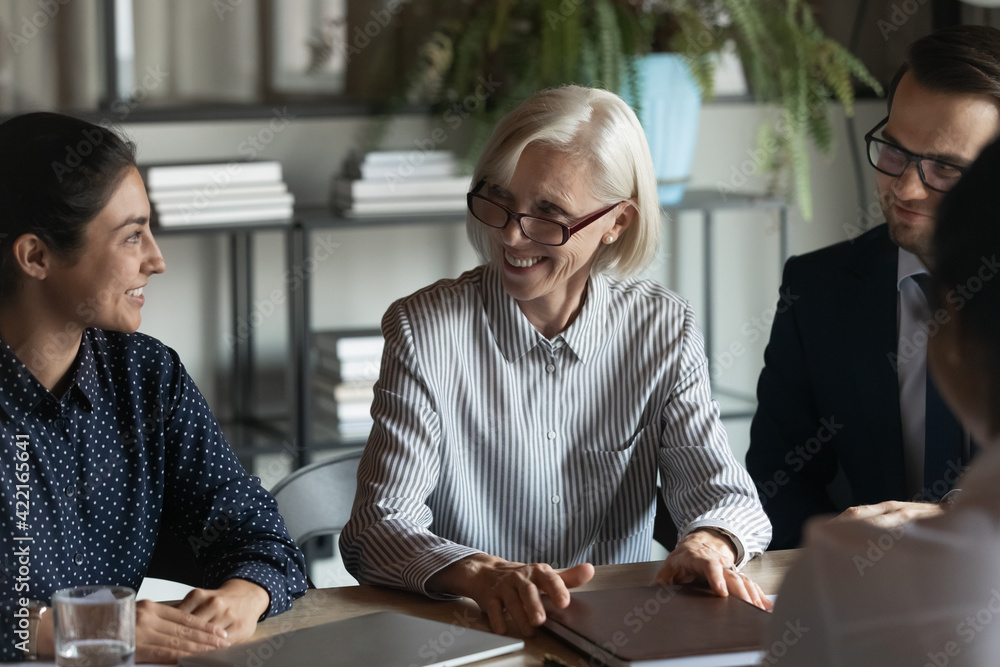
[599,128]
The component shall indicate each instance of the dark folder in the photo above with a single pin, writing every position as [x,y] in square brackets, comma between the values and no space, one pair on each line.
[676,626]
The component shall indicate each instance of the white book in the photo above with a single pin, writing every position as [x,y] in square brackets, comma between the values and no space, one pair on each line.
[204,175]
[230,192]
[354,347]
[360,343]
[405,207]
[354,412]
[355,432]
[223,216]
[359,370]
[348,191]
[356,392]
[240,203]
[346,392]
[403,171]
[416,157]
[345,412]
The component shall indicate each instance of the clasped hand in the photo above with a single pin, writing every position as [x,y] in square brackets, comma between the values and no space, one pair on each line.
[202,621]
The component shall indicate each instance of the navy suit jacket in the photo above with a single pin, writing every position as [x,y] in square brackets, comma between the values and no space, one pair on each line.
[827,433]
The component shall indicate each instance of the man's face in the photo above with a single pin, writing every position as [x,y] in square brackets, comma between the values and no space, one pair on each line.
[951,127]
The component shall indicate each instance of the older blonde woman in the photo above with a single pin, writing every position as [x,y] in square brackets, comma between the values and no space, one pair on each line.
[524,409]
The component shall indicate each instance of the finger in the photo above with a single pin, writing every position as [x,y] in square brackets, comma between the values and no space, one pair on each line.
[866,511]
[159,640]
[552,584]
[493,608]
[189,620]
[737,587]
[890,520]
[577,576]
[765,602]
[515,608]
[214,611]
[666,573]
[757,598]
[673,573]
[715,575]
[741,587]
[531,602]
[192,600]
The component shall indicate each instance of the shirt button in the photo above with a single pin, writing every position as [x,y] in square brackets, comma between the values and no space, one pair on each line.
[61,423]
[555,499]
[78,559]
[71,490]
[551,435]
[550,368]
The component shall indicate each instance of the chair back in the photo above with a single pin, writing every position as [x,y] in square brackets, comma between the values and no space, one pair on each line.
[317,499]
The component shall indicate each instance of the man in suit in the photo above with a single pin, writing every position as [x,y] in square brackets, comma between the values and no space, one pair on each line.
[846,417]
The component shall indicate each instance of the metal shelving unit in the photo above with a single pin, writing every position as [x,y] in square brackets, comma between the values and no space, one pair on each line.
[252,435]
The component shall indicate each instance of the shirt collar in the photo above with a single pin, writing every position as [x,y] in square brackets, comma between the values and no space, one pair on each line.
[908,265]
[516,336]
[86,380]
[584,335]
[22,392]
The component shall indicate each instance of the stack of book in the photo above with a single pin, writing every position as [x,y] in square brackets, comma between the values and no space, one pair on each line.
[346,365]
[384,183]
[211,194]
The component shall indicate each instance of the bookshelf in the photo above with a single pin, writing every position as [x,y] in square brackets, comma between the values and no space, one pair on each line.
[251,435]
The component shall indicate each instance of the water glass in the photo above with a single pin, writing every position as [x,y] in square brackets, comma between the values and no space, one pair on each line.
[94,626]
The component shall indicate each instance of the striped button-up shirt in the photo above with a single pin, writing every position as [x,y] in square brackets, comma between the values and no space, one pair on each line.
[491,438]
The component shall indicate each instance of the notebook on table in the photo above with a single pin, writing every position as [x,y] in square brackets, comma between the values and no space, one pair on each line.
[383,638]
[672,626]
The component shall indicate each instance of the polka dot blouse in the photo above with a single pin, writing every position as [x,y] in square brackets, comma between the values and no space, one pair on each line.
[131,448]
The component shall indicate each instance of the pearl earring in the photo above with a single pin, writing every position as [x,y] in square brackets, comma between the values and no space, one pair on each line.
[608,239]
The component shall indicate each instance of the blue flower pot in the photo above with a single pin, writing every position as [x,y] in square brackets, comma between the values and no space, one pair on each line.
[670,104]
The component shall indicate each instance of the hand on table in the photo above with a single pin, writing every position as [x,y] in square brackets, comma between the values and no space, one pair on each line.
[204,620]
[891,513]
[164,634]
[704,555]
[499,586]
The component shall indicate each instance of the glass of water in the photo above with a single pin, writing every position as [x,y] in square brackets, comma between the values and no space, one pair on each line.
[94,626]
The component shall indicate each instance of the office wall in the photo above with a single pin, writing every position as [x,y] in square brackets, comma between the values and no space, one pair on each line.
[188,307]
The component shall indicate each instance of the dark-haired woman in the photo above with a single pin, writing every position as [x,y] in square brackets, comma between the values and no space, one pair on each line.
[106,440]
[926,593]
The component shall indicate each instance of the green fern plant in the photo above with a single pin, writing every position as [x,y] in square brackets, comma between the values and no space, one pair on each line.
[534,44]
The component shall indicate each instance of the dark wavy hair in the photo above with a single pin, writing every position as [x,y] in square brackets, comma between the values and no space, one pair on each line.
[966,253]
[962,59]
[56,174]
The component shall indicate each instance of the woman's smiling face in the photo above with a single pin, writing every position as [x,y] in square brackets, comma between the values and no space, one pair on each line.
[552,185]
[101,286]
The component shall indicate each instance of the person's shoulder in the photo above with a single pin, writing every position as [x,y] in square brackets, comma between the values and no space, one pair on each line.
[137,351]
[445,296]
[640,292]
[842,255]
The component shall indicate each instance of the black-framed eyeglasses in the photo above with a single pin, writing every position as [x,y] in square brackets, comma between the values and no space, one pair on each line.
[539,230]
[892,160]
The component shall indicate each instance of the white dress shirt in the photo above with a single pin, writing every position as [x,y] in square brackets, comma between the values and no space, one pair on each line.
[490,438]
[911,348]
[925,594]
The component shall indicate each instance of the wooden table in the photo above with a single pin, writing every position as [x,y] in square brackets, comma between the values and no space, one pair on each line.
[333,604]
